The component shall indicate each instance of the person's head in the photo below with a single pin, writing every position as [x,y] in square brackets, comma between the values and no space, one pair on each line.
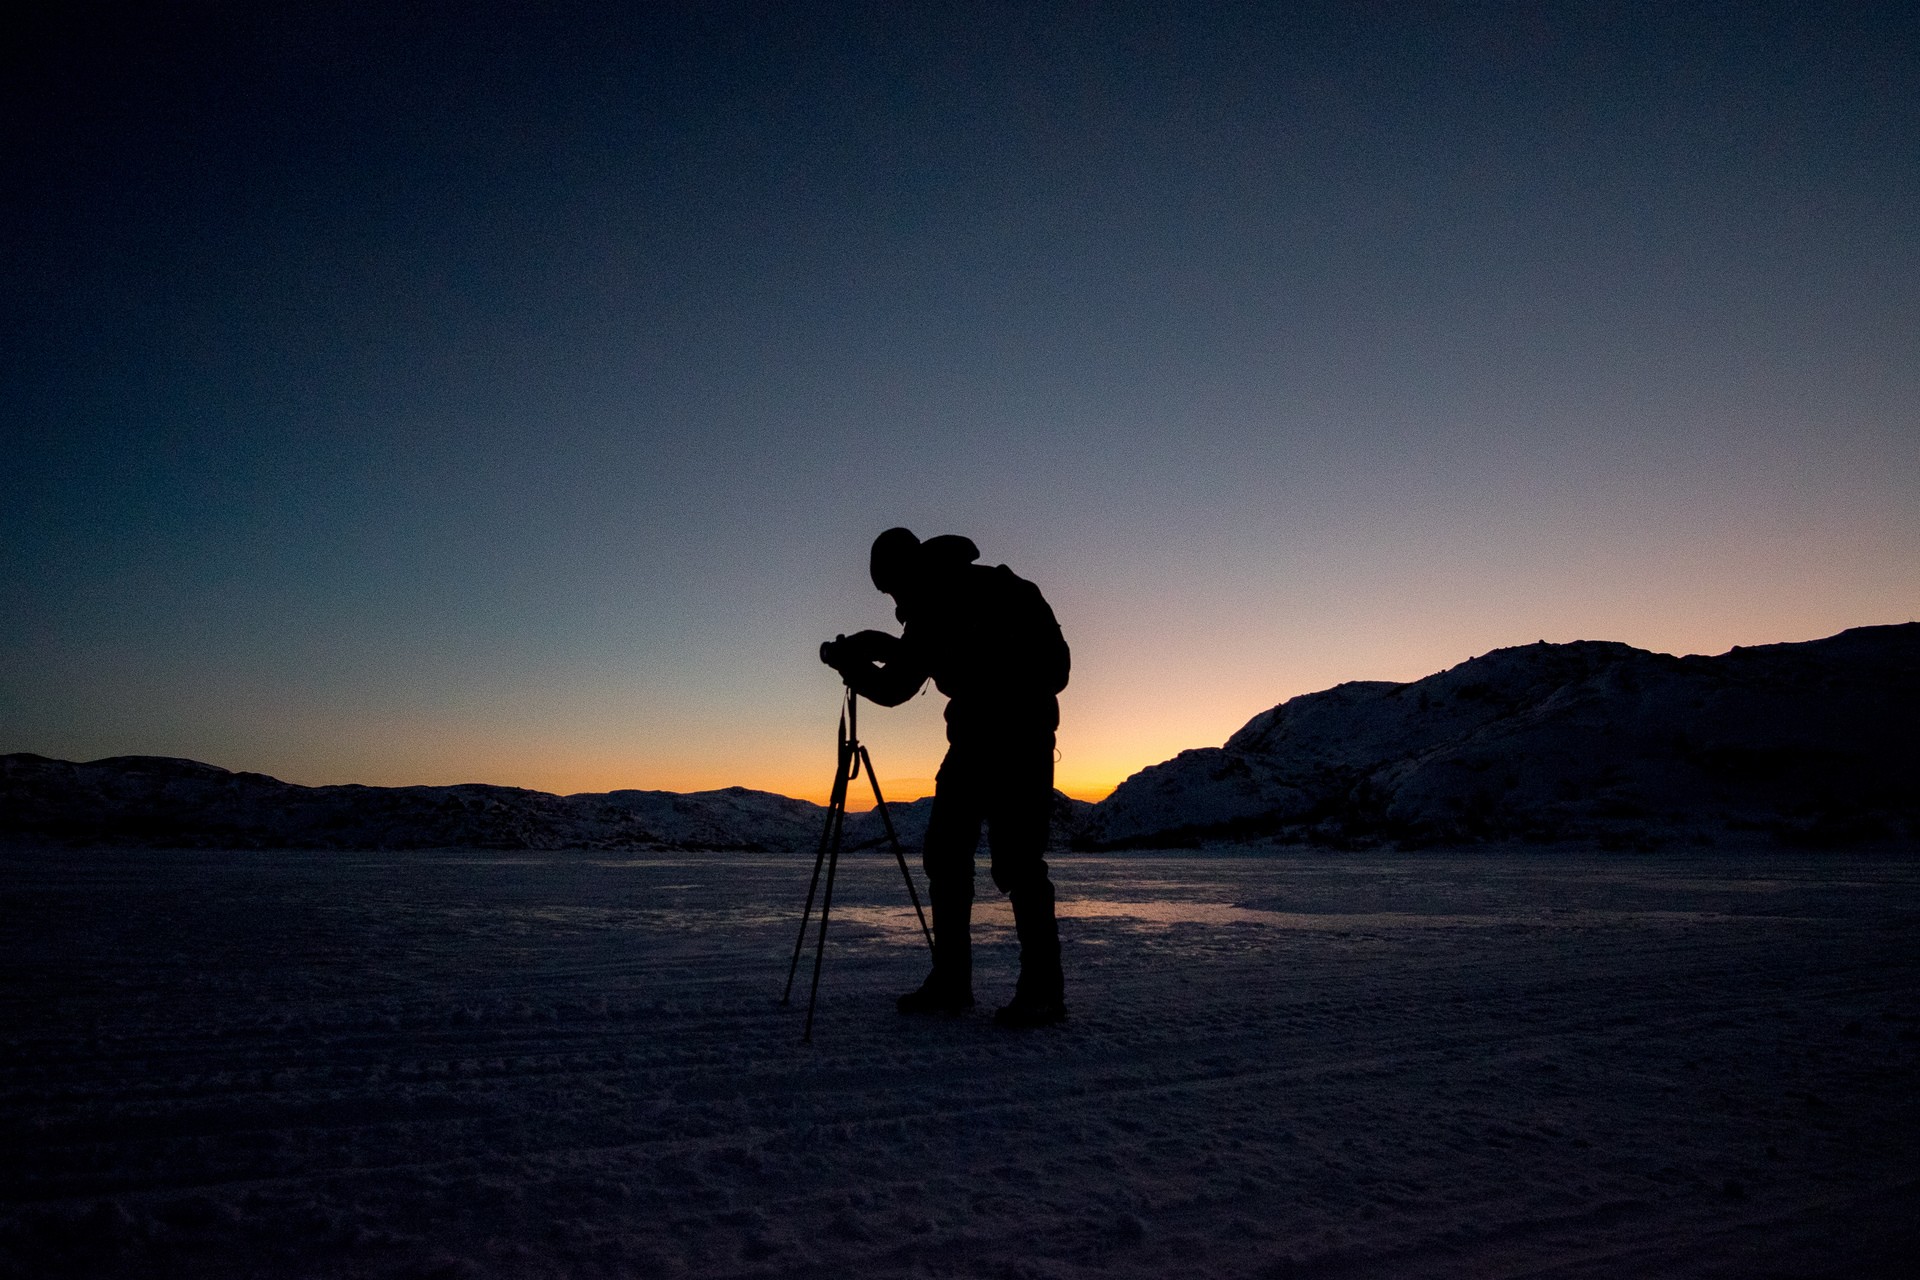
[893,563]
[902,565]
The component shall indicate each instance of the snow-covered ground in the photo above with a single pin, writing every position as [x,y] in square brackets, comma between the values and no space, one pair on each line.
[479,1064]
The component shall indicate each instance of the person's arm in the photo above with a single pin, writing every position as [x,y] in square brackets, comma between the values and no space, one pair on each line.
[879,667]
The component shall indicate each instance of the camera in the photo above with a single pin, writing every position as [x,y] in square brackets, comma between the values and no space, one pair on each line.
[862,648]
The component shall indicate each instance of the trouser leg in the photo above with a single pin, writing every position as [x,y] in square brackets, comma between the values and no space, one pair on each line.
[953,834]
[1041,978]
[953,938]
[1018,823]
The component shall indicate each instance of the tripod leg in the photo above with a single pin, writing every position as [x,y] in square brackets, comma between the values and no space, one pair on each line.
[836,806]
[813,886]
[899,854]
[826,907]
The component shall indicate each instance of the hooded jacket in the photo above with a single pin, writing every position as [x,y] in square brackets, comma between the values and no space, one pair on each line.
[985,636]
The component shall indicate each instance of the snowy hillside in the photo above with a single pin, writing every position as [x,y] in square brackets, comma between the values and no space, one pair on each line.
[1808,742]
[150,800]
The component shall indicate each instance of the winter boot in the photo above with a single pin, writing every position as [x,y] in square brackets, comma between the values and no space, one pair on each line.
[949,988]
[1039,997]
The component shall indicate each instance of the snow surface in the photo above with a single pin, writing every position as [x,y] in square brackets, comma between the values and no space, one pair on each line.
[464,1063]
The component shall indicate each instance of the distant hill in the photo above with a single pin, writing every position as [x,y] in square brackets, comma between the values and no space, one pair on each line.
[1597,742]
[157,801]
[161,802]
[1815,743]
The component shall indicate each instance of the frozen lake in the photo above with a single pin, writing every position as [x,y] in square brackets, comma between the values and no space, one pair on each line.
[474,1064]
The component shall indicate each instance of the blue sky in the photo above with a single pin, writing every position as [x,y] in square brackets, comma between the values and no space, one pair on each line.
[509,393]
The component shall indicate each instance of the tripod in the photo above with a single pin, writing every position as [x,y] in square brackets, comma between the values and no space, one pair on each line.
[853,758]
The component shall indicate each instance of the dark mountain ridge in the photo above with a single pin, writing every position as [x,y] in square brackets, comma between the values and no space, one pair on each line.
[1591,741]
[160,801]
[164,802]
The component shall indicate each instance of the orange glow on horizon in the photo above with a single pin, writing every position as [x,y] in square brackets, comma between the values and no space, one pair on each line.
[596,778]
[1133,704]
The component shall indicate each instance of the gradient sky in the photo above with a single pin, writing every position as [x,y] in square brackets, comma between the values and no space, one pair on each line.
[510,394]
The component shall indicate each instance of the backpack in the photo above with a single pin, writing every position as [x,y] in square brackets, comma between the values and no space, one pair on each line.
[1032,650]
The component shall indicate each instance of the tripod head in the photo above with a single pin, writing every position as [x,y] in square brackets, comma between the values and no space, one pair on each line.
[851,753]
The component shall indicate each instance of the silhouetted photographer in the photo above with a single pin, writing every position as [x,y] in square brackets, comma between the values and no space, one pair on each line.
[989,642]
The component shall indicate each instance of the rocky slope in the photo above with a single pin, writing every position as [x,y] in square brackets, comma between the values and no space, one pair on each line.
[157,801]
[1812,742]
[149,800]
